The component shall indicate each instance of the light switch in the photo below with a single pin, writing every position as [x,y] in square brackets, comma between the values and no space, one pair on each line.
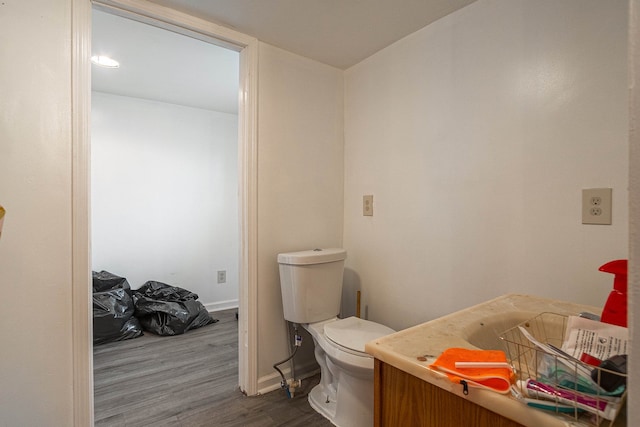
[367,205]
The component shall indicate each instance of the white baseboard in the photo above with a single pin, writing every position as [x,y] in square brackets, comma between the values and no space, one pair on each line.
[271,382]
[221,305]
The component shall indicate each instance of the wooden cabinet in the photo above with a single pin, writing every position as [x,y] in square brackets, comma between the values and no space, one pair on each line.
[404,400]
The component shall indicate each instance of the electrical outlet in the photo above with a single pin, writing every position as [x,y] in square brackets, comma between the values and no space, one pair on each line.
[367,205]
[222,276]
[596,206]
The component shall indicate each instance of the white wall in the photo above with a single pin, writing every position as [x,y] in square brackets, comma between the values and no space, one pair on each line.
[164,195]
[35,188]
[476,136]
[300,181]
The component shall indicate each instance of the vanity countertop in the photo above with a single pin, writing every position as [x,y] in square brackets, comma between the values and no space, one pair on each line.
[408,349]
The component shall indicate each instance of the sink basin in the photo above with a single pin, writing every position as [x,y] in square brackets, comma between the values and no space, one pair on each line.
[484,333]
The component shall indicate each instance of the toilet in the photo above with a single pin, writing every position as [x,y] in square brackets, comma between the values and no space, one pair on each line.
[311,285]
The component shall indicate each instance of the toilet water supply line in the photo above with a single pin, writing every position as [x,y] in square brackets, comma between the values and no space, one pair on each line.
[292,384]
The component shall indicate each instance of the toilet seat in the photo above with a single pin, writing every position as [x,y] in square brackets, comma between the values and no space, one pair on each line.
[353,333]
[349,337]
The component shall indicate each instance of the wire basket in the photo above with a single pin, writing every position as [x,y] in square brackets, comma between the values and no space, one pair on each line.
[551,380]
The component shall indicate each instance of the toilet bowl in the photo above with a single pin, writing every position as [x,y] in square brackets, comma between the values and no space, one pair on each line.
[311,285]
[345,392]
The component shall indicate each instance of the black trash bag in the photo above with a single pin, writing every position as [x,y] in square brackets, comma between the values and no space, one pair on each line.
[113,317]
[163,292]
[105,281]
[169,310]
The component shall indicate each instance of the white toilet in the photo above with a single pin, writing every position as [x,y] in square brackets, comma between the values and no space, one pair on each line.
[311,285]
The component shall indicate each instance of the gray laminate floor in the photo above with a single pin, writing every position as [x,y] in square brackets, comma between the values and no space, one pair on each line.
[187,381]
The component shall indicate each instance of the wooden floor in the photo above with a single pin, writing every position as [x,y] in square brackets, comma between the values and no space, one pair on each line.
[186,381]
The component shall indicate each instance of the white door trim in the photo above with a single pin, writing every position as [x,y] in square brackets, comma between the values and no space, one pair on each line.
[170,19]
[82,317]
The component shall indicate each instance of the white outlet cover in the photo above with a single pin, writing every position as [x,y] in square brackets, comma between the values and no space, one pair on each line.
[596,206]
[222,276]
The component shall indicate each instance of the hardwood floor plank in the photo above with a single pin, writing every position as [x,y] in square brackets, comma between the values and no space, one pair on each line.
[188,380]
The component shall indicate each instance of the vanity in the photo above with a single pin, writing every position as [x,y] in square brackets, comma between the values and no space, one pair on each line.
[408,393]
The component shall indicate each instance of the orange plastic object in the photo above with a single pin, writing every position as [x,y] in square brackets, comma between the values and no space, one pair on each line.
[615,309]
[496,379]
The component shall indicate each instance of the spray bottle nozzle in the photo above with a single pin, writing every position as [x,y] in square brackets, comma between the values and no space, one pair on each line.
[615,309]
[619,269]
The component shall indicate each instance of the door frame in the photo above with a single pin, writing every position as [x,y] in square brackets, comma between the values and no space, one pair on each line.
[169,19]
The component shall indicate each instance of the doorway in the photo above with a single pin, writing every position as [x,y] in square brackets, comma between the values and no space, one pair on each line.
[164,186]
[164,169]
[247,184]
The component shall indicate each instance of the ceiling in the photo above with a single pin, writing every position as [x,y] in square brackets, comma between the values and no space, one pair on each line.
[340,33]
[161,65]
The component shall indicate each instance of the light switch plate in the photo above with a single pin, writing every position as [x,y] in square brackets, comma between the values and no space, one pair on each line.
[596,206]
[367,205]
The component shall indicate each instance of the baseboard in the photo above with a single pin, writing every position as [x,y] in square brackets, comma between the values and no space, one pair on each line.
[271,382]
[221,305]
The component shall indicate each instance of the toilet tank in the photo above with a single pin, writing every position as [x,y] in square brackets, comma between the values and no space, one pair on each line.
[311,284]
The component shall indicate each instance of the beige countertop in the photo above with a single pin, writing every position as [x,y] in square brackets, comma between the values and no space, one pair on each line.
[408,349]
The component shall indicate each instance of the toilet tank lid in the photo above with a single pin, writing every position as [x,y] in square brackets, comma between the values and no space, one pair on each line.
[312,256]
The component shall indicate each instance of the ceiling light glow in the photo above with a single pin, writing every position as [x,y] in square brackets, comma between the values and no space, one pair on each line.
[105,61]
